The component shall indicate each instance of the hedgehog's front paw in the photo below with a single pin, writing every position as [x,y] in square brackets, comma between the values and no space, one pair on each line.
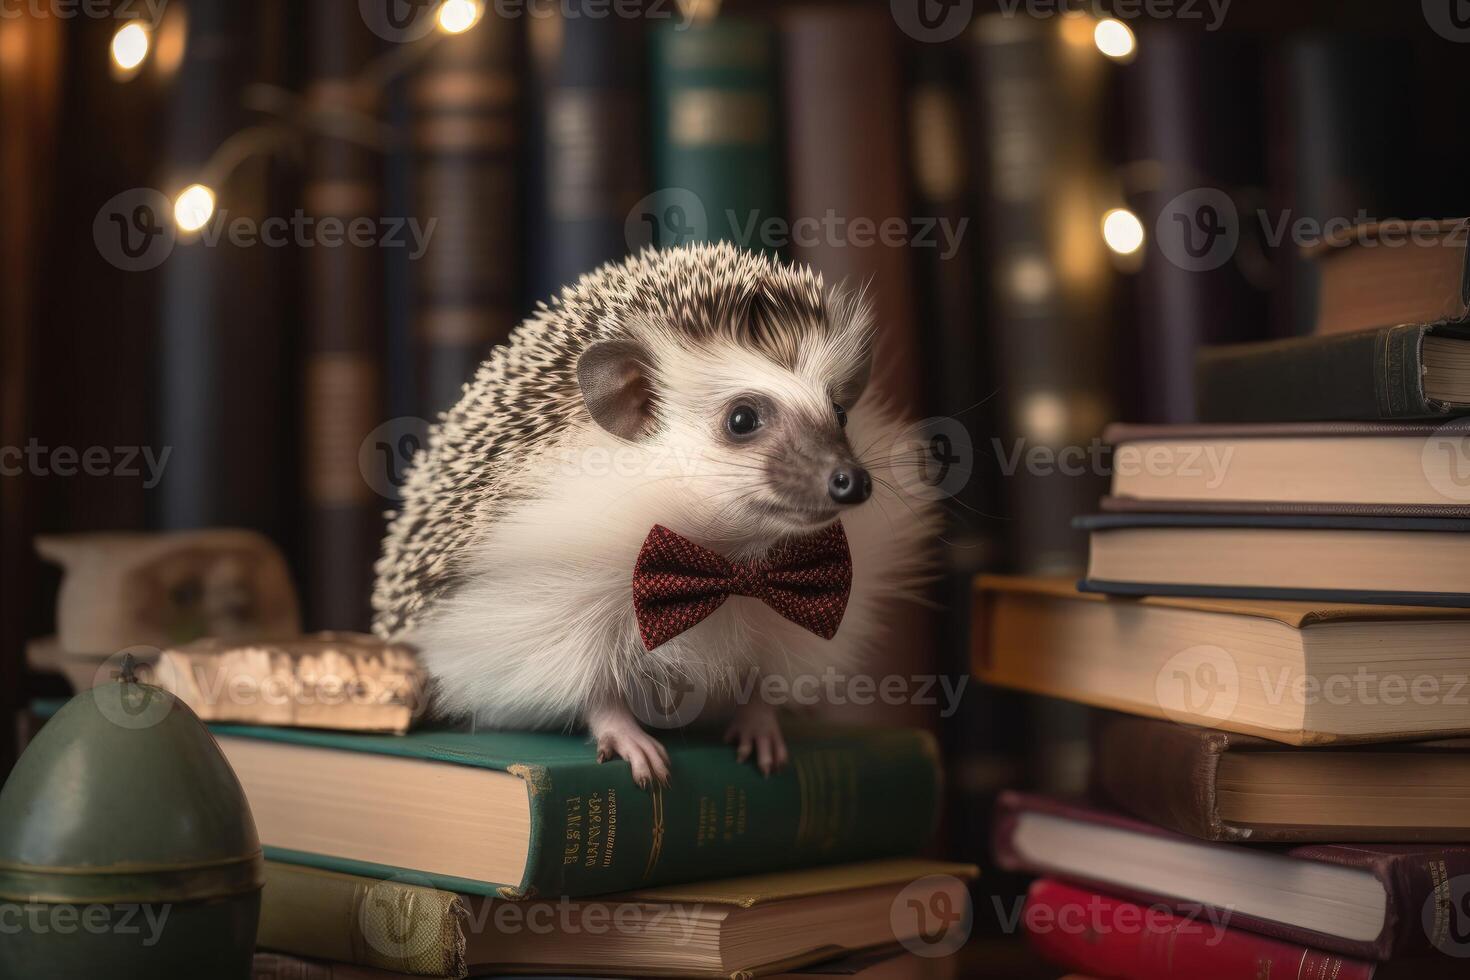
[619,736]
[756,727]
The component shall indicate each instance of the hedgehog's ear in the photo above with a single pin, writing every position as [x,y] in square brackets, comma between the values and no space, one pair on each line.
[851,312]
[615,383]
[850,388]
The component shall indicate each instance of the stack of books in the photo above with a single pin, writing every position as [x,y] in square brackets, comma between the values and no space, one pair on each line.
[454,853]
[1276,616]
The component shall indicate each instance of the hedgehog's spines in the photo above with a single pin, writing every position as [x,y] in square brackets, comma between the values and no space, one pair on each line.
[527,390]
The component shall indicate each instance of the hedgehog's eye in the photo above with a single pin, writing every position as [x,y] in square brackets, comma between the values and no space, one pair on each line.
[841,414]
[743,420]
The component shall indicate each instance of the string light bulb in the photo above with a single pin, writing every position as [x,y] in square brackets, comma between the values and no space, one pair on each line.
[1122,231]
[1114,39]
[130,46]
[193,207]
[458,16]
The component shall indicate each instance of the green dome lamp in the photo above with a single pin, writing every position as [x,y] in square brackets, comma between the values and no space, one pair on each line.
[127,848]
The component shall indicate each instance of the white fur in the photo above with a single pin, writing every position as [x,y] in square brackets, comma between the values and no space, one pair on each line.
[542,625]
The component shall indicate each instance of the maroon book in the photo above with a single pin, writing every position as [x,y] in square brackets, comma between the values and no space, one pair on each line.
[1102,936]
[1193,772]
[1378,901]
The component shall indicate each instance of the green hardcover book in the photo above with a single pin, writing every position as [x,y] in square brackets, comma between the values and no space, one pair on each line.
[716,153]
[516,815]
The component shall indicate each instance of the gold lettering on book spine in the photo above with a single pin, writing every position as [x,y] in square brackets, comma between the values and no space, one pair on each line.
[827,781]
[572,849]
[657,846]
[611,844]
[596,812]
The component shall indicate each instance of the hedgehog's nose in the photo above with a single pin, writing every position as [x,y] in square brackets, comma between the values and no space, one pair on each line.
[850,484]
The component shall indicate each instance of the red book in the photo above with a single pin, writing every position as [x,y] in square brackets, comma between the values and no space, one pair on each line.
[1107,937]
[1372,901]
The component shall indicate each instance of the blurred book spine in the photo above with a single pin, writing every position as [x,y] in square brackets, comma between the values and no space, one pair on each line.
[842,85]
[1199,168]
[1332,157]
[30,90]
[400,370]
[465,108]
[716,158]
[344,333]
[588,141]
[957,380]
[1039,88]
[224,339]
[984,737]
[1039,101]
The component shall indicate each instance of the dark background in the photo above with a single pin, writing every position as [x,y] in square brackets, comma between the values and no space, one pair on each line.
[227,355]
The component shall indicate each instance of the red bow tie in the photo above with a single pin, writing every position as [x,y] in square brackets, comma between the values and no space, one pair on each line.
[677,583]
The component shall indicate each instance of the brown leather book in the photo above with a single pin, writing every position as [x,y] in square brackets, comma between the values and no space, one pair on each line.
[1387,273]
[842,86]
[1224,786]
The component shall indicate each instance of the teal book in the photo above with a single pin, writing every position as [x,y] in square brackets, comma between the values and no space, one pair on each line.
[716,147]
[517,815]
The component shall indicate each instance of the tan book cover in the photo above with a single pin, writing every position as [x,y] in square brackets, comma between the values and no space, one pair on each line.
[796,917]
[751,890]
[1382,273]
[1299,673]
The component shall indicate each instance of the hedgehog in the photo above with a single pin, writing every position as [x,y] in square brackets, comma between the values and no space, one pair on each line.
[714,391]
